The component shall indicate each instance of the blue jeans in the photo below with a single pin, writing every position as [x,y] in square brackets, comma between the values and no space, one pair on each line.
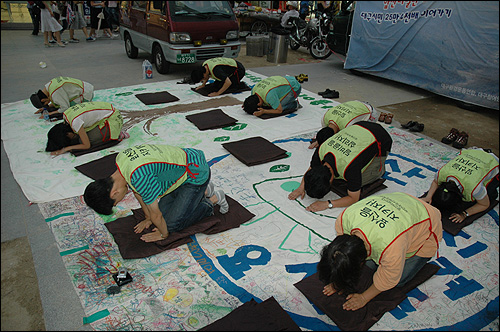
[290,102]
[185,206]
[411,268]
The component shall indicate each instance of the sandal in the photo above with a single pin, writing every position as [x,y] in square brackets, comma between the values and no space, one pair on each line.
[382,116]
[388,118]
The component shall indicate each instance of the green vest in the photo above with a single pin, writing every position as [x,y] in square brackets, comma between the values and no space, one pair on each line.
[347,145]
[132,158]
[113,123]
[383,218]
[263,87]
[344,114]
[219,61]
[469,168]
[58,82]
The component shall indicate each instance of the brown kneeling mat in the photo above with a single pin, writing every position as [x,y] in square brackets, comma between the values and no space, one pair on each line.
[96,147]
[340,187]
[253,316]
[361,319]
[209,88]
[255,150]
[131,246]
[100,168]
[156,98]
[211,119]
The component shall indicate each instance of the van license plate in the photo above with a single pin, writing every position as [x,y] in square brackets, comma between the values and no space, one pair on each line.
[186,58]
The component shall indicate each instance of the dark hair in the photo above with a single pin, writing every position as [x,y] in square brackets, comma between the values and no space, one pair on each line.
[341,263]
[97,196]
[197,74]
[251,104]
[58,137]
[324,134]
[317,181]
[448,197]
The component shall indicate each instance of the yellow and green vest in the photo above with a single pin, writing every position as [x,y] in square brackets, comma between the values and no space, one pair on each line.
[383,218]
[347,145]
[132,158]
[263,87]
[113,123]
[212,63]
[58,82]
[344,114]
[469,168]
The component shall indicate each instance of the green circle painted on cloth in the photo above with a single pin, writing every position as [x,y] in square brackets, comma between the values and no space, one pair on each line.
[290,186]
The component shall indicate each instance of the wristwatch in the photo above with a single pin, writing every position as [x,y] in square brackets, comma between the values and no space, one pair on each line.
[330,205]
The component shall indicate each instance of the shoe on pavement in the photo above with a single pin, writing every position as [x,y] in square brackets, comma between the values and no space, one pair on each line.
[409,124]
[90,39]
[418,127]
[325,92]
[331,94]
[461,140]
[74,40]
[451,137]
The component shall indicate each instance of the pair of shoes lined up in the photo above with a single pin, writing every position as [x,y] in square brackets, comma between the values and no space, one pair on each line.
[458,139]
[302,78]
[329,93]
[413,126]
[386,117]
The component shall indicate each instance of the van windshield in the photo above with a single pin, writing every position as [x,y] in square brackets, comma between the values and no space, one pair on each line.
[190,11]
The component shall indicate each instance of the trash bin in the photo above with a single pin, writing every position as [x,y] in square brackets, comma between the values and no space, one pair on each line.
[278,45]
[254,46]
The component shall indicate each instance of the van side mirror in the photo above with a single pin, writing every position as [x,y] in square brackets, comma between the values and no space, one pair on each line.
[157,5]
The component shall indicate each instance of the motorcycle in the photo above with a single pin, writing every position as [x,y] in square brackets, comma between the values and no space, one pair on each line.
[302,32]
[334,32]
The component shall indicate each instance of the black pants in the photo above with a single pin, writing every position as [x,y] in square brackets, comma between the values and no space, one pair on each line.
[35,18]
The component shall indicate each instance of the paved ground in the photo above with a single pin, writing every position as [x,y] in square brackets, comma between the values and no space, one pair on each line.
[36,291]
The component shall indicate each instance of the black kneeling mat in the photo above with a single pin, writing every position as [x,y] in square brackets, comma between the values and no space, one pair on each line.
[255,150]
[97,147]
[340,187]
[211,119]
[270,116]
[455,228]
[131,246]
[253,316]
[100,168]
[363,318]
[212,87]
[154,98]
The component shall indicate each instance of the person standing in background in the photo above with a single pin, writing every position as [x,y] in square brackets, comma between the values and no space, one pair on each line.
[78,22]
[35,16]
[113,15]
[50,24]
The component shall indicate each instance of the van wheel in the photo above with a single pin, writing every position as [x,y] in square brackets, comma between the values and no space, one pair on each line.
[131,50]
[162,65]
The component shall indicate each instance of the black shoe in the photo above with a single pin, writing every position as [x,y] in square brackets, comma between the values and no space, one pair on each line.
[417,127]
[331,94]
[461,140]
[409,124]
[325,92]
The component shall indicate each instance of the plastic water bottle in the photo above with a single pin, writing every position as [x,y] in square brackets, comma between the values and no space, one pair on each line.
[45,114]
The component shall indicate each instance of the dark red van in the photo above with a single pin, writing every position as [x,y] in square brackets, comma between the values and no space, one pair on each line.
[179,32]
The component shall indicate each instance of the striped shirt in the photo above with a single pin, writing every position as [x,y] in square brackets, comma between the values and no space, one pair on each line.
[152,180]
